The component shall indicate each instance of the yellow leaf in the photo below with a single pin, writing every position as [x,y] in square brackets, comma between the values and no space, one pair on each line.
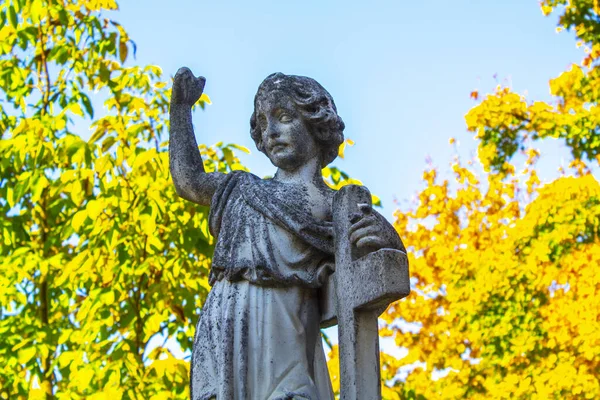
[94,208]
[108,297]
[75,108]
[78,219]
[205,98]
[26,354]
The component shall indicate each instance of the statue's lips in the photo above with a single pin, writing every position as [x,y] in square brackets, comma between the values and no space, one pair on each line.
[278,147]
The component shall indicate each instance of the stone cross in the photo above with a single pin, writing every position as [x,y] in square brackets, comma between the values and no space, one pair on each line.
[358,292]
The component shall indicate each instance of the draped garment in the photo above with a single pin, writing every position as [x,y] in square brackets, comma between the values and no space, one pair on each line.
[258,335]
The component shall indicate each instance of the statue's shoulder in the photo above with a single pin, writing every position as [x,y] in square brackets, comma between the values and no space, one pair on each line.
[248,178]
[244,181]
[240,176]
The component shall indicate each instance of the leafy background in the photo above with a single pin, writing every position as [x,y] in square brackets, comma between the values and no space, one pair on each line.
[104,268]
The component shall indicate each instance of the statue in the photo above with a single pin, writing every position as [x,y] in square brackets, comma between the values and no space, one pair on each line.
[278,242]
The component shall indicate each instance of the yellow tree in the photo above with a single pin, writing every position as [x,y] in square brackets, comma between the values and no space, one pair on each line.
[504,121]
[505,301]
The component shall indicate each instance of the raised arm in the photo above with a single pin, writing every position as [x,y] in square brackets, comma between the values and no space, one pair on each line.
[191,181]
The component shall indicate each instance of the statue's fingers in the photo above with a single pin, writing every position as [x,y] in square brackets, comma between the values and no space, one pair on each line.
[176,86]
[189,78]
[357,235]
[354,218]
[183,72]
[371,241]
[179,85]
[365,220]
[178,89]
[199,83]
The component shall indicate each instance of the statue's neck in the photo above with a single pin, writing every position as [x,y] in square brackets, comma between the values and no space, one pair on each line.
[309,172]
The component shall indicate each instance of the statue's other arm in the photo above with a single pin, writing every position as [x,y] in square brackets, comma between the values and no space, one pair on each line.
[191,181]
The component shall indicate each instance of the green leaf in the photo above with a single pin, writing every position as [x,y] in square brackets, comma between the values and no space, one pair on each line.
[12,16]
[98,134]
[87,104]
[63,17]
[108,142]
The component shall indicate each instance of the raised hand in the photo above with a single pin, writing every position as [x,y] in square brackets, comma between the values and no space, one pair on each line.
[187,169]
[187,88]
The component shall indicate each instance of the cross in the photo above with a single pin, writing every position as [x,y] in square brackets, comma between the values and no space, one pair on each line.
[356,294]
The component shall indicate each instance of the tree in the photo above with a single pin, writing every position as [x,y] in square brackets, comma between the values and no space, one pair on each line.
[504,302]
[505,283]
[98,254]
[504,121]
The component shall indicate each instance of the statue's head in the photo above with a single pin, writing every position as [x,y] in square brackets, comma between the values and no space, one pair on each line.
[299,105]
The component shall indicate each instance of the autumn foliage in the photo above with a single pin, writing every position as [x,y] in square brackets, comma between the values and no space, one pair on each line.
[505,301]
[99,258]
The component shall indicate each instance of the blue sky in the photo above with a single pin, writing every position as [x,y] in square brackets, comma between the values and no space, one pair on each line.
[400,72]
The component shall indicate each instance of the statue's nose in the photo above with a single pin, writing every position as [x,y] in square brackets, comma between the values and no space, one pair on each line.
[272,132]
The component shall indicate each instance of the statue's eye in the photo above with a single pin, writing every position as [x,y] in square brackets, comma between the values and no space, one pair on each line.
[283,117]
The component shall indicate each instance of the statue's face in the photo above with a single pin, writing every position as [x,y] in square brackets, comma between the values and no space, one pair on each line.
[286,137]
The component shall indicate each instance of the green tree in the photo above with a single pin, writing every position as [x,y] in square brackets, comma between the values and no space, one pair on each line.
[98,255]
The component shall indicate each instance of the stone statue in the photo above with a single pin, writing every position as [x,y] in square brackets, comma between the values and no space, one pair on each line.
[277,244]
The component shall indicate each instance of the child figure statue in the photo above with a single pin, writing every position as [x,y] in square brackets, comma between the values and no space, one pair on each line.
[258,335]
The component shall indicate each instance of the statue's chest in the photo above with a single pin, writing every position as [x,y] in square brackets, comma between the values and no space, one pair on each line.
[305,198]
[321,213]
[318,204]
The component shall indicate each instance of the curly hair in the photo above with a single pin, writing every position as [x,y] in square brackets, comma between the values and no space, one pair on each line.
[314,104]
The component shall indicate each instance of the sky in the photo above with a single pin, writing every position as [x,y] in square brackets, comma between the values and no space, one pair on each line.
[400,72]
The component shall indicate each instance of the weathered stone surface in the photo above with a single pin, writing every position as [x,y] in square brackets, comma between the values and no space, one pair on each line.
[365,284]
[384,279]
[277,243]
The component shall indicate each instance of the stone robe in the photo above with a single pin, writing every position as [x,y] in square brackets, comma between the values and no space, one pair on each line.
[258,335]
